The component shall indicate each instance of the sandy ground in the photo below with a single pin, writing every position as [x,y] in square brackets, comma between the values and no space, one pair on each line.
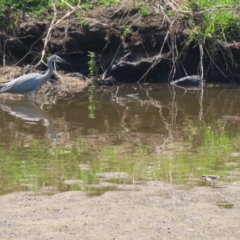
[154,211]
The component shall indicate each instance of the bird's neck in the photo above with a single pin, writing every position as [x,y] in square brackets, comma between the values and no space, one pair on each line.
[46,76]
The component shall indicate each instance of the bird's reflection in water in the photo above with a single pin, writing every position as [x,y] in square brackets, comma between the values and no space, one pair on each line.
[30,113]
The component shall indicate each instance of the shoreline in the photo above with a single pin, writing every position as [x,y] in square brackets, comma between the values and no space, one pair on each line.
[154,211]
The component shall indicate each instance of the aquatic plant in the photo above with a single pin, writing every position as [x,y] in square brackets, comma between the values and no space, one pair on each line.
[92,66]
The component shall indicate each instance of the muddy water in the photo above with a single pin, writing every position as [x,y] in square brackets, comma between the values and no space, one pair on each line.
[129,134]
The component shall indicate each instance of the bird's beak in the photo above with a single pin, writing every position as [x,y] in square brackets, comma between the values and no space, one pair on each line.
[63,61]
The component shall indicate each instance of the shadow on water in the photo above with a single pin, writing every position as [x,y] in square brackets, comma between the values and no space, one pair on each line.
[119,137]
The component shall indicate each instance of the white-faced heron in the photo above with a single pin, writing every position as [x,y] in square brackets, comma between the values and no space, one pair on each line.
[29,83]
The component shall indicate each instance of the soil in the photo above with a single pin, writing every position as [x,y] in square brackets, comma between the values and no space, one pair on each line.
[154,211]
[129,47]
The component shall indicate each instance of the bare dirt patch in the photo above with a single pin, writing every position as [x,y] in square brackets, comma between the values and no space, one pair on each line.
[154,211]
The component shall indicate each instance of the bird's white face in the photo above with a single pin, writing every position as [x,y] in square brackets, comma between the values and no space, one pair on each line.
[58,59]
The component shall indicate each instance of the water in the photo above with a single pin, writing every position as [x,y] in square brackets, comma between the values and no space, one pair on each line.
[105,137]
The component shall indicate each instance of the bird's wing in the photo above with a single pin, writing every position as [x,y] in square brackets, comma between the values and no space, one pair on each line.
[24,84]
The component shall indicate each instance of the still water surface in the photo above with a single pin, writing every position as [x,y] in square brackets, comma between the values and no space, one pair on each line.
[104,137]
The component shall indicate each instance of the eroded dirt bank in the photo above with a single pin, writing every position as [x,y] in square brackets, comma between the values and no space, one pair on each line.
[154,211]
[129,46]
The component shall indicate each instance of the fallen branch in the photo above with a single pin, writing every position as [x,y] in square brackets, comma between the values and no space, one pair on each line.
[192,78]
[52,25]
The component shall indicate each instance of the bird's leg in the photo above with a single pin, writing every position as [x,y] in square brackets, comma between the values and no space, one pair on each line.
[31,96]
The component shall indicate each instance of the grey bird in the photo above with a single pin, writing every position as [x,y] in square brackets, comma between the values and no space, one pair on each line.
[29,83]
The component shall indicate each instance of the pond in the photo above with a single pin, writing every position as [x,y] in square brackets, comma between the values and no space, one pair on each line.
[106,137]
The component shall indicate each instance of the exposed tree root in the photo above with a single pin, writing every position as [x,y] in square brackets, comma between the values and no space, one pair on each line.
[192,78]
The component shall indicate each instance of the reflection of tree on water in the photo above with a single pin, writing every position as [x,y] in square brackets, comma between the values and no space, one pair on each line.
[182,126]
[182,114]
[31,115]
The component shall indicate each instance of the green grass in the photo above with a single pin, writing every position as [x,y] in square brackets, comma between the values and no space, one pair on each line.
[107,2]
[214,21]
[211,21]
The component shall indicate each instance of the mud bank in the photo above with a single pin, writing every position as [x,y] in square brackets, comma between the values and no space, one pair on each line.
[129,47]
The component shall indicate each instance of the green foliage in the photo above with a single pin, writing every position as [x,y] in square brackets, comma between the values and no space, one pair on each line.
[92,67]
[214,21]
[39,13]
[25,5]
[107,2]
[143,8]
[61,5]
[10,9]
[84,22]
[144,11]
[125,31]
[73,2]
[86,6]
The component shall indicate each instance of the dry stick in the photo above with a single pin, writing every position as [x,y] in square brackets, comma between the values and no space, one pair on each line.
[214,62]
[47,38]
[164,14]
[105,72]
[176,61]
[4,55]
[4,50]
[233,63]
[174,57]
[29,52]
[171,4]
[164,4]
[173,47]
[95,21]
[224,57]
[119,23]
[68,4]
[117,11]
[157,58]
[229,51]
[192,78]
[53,24]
